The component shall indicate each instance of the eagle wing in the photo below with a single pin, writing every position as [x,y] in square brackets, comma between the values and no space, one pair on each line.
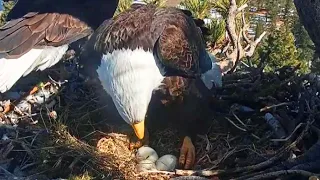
[20,35]
[170,33]
[179,42]
[129,29]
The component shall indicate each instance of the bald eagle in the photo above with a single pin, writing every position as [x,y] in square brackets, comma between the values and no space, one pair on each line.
[39,32]
[146,50]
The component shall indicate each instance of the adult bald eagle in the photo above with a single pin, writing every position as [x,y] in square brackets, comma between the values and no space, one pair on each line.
[38,33]
[145,49]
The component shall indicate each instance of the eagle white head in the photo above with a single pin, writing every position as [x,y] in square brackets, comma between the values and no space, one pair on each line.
[130,77]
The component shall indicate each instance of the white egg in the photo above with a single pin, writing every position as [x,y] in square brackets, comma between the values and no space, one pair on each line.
[146,153]
[146,165]
[166,163]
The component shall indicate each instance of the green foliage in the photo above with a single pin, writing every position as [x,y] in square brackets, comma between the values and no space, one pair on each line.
[158,3]
[125,4]
[217,29]
[122,6]
[199,8]
[7,6]
[84,176]
[259,29]
[280,50]
[222,6]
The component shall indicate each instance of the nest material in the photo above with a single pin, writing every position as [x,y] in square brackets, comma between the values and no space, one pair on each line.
[240,143]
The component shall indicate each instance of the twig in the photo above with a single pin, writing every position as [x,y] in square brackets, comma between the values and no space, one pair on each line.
[242,129]
[189,178]
[273,106]
[158,172]
[239,120]
[206,173]
[287,138]
[242,7]
[7,172]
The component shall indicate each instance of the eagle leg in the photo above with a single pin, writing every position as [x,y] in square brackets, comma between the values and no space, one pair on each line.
[7,107]
[36,88]
[193,117]
[187,153]
[136,143]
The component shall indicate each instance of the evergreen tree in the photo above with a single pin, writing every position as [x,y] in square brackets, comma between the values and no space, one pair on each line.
[199,8]
[280,50]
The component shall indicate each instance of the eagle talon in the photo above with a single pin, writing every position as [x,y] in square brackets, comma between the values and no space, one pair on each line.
[35,89]
[187,154]
[7,107]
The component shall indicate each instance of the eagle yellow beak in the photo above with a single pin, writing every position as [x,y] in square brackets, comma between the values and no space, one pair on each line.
[139,129]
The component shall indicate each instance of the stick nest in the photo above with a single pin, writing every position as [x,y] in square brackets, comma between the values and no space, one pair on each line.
[76,137]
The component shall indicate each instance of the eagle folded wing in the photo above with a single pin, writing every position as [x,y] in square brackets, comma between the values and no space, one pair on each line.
[19,36]
[177,48]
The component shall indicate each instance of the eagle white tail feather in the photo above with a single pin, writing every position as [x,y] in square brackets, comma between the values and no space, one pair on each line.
[11,70]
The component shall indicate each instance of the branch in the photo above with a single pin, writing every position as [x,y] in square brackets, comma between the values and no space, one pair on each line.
[245,28]
[254,44]
[242,7]
[233,52]
[230,23]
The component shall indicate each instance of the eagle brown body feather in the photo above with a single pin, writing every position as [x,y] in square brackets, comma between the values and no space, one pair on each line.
[175,40]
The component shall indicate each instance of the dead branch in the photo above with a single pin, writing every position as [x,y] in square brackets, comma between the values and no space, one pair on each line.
[273,106]
[206,173]
[189,178]
[287,138]
[253,45]
[236,52]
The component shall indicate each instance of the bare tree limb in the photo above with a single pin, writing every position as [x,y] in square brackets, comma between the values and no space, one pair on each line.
[231,23]
[242,7]
[254,44]
[245,27]
[234,51]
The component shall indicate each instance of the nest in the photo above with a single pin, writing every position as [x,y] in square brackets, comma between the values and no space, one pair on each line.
[72,137]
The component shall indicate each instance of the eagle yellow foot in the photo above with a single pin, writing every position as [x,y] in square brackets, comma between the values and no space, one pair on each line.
[136,143]
[7,107]
[187,154]
[36,88]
